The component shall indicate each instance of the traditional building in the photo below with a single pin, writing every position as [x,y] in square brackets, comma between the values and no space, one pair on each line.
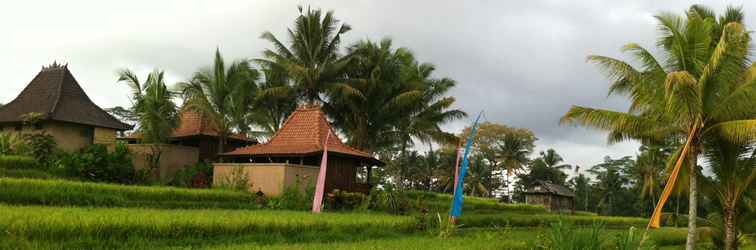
[62,109]
[552,196]
[293,155]
[195,130]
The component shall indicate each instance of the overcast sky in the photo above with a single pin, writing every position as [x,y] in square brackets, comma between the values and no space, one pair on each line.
[521,62]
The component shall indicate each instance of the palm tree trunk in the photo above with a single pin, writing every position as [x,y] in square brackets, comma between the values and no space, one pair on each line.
[729,225]
[690,243]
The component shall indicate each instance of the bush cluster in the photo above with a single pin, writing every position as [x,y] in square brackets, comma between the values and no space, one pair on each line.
[18,162]
[199,175]
[95,163]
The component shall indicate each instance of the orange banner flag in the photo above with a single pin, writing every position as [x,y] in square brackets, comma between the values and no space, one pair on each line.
[655,221]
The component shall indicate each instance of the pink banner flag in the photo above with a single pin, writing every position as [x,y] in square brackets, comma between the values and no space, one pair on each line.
[317,201]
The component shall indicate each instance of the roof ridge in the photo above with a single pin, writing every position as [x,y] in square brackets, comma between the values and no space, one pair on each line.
[58,91]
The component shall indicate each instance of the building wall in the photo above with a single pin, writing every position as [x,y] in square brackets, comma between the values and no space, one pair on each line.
[68,136]
[105,136]
[172,159]
[270,178]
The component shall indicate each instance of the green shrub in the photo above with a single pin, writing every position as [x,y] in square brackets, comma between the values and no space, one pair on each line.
[17,162]
[74,193]
[41,146]
[565,236]
[343,200]
[389,201]
[199,175]
[293,198]
[95,163]
[11,144]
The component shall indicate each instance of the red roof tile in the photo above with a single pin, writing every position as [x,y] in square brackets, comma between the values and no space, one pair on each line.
[193,124]
[303,133]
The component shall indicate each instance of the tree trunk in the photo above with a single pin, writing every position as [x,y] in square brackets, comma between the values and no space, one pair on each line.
[690,243]
[729,226]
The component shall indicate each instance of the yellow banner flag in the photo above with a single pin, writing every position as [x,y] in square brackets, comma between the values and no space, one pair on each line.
[656,216]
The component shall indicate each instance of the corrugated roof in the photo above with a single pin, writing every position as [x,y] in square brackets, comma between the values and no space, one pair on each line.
[303,133]
[56,95]
[550,188]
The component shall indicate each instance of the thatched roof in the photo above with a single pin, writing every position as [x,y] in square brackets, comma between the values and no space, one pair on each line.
[55,94]
[545,187]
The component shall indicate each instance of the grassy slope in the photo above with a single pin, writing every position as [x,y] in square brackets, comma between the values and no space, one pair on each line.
[73,193]
[142,222]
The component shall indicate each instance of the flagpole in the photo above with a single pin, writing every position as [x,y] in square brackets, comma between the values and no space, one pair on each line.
[317,201]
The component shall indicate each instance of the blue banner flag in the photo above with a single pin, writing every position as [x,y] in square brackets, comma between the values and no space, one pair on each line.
[456,210]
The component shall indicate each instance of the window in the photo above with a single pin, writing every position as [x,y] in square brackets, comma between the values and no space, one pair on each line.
[88,134]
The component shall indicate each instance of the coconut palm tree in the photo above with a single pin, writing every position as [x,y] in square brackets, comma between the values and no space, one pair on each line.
[647,170]
[381,100]
[514,151]
[734,167]
[154,109]
[223,94]
[422,121]
[311,58]
[153,106]
[274,101]
[703,88]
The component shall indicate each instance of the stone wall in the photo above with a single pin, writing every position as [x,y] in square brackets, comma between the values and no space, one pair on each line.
[173,158]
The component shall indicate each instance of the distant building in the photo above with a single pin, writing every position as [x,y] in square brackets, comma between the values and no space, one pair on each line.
[195,130]
[294,154]
[552,196]
[63,109]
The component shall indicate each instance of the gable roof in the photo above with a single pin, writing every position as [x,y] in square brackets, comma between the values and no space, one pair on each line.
[194,124]
[303,133]
[550,188]
[56,95]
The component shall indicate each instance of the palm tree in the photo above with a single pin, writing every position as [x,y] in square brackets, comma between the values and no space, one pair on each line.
[422,121]
[370,114]
[154,110]
[703,88]
[514,151]
[311,60]
[152,105]
[733,167]
[647,171]
[225,95]
[274,102]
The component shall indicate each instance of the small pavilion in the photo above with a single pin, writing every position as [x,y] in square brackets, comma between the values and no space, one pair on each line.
[293,155]
[195,130]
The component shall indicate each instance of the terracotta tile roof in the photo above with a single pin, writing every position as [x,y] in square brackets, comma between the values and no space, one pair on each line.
[56,95]
[303,133]
[192,124]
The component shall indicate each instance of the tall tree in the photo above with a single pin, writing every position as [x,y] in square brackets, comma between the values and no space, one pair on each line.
[702,88]
[223,94]
[153,105]
[370,114]
[734,168]
[275,100]
[311,58]
[611,182]
[514,150]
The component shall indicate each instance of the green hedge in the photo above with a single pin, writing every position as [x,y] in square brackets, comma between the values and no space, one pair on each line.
[73,193]
[17,162]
